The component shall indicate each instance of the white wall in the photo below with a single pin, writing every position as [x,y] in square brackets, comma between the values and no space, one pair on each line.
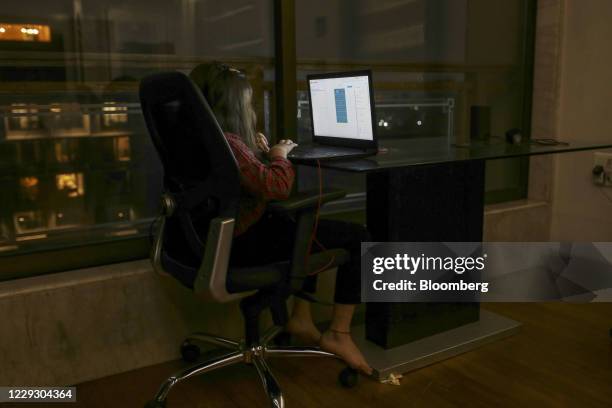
[580,211]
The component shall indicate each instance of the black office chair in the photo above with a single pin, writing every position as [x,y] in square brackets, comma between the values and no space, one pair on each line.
[194,239]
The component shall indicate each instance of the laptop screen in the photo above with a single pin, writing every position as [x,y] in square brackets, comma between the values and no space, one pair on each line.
[341,106]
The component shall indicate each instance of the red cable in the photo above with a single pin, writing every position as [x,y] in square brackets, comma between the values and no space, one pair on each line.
[320,244]
[313,237]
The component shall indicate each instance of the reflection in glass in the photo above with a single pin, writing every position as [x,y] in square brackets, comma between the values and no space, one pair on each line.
[68,217]
[76,158]
[29,221]
[119,213]
[441,57]
[416,118]
[5,235]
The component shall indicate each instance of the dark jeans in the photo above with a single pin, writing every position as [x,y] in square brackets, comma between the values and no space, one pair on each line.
[271,240]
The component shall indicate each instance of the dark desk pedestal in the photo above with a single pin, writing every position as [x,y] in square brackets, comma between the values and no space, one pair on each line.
[431,203]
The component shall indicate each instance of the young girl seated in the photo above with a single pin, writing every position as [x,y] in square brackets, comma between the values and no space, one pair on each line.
[266,175]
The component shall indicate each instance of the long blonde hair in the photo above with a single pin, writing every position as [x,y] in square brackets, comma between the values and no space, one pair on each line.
[230,95]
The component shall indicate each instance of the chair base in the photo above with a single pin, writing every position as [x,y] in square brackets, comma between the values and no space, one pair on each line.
[253,355]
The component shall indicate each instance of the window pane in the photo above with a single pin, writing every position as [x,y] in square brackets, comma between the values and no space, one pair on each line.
[439,66]
[76,163]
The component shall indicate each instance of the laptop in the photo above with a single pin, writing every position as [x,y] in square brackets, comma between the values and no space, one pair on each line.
[342,114]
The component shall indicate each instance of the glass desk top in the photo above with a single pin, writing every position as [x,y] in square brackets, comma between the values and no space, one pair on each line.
[414,152]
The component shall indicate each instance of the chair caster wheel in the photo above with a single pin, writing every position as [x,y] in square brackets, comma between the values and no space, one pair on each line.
[348,377]
[190,352]
[155,404]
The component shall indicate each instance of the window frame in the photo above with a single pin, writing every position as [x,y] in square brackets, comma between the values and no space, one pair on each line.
[529,33]
[284,119]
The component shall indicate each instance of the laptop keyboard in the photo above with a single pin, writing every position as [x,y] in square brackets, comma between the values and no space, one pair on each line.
[322,152]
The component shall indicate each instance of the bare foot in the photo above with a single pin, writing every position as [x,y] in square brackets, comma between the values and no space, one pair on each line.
[305,331]
[342,345]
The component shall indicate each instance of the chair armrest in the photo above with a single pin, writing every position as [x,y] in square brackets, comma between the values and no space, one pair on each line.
[304,200]
[304,205]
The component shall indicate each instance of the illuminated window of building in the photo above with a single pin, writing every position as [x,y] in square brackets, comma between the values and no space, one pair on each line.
[67,119]
[25,32]
[29,187]
[22,120]
[71,184]
[114,114]
[122,148]
[66,150]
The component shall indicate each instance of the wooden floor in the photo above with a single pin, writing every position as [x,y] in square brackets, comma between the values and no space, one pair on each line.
[561,358]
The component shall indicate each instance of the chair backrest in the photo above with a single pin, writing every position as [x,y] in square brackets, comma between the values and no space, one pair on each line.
[201,183]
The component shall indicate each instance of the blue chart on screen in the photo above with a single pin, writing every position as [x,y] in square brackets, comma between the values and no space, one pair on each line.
[341,115]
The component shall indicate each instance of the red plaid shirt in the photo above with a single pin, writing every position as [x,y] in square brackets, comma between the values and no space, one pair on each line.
[260,182]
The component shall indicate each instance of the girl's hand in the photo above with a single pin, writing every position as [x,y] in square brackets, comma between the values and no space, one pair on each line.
[262,142]
[282,149]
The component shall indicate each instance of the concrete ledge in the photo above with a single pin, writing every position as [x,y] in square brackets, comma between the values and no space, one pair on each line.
[73,278]
[518,205]
[75,326]
[523,220]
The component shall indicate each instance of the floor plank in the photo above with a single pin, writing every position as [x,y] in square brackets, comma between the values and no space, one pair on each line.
[561,357]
